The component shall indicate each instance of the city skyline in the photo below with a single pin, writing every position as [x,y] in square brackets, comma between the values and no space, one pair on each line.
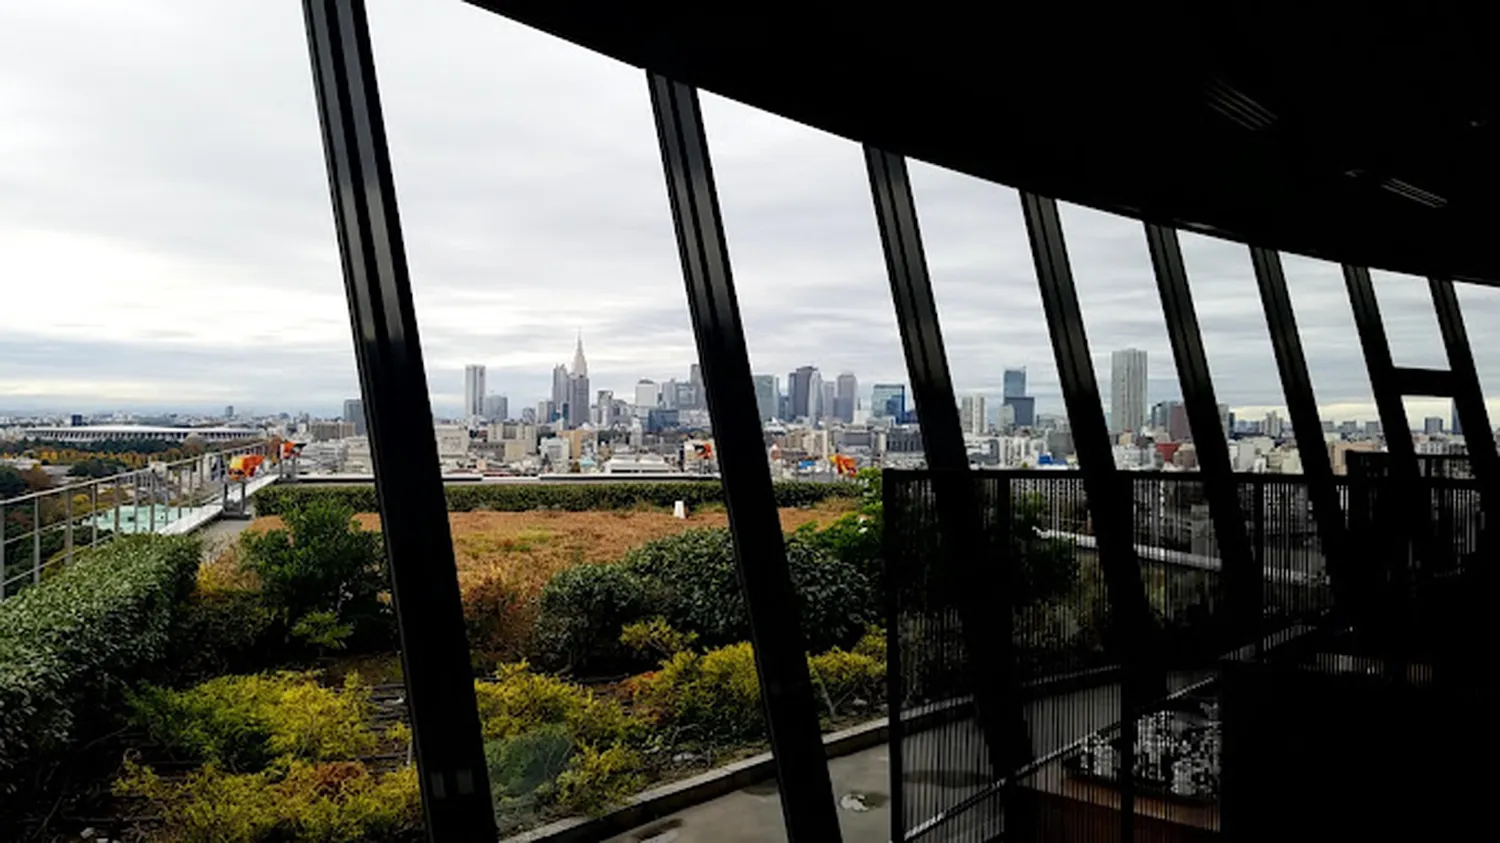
[109,199]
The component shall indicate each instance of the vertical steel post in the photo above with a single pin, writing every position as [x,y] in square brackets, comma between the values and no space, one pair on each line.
[135,502]
[36,538]
[1291,364]
[94,514]
[987,633]
[780,651]
[116,505]
[393,384]
[1468,394]
[1382,368]
[1242,581]
[1110,496]
[151,495]
[4,536]
[67,497]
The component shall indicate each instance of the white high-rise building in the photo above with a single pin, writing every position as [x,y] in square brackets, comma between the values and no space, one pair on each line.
[645,397]
[1127,392]
[972,414]
[473,390]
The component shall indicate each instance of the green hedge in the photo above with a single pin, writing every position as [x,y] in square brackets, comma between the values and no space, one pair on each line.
[277,499]
[70,645]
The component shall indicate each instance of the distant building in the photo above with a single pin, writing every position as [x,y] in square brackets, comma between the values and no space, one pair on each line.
[1226,421]
[767,391]
[228,411]
[496,407]
[108,432]
[1127,394]
[1432,425]
[972,414]
[1015,384]
[1178,429]
[528,415]
[662,418]
[328,431]
[1273,425]
[354,413]
[845,398]
[1455,427]
[604,408]
[76,420]
[645,397]
[695,377]
[828,406]
[578,389]
[888,400]
[803,392]
[473,390]
[1022,408]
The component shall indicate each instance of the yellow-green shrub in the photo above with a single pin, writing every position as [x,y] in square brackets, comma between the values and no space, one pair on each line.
[656,636]
[242,723]
[520,701]
[714,695]
[339,802]
[597,779]
[843,676]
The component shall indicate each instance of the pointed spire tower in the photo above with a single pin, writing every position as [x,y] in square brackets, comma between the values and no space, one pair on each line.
[580,366]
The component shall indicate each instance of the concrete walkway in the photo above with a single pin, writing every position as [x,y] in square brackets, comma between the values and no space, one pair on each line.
[861,782]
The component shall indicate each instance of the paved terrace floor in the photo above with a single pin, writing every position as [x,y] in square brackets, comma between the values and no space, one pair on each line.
[861,782]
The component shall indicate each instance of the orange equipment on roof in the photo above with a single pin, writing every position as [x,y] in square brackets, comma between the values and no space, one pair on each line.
[244,466]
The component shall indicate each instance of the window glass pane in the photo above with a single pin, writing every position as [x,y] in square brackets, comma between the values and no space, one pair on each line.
[1335,359]
[1481,308]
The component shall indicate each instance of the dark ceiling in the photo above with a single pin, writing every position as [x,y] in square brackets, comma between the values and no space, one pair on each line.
[1370,139]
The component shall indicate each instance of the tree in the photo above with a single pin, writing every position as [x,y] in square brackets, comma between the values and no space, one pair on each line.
[36,479]
[11,483]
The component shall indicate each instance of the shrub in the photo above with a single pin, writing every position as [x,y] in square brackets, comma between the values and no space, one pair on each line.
[523,771]
[657,637]
[692,580]
[846,676]
[338,802]
[69,646]
[323,563]
[583,609]
[243,723]
[519,701]
[223,627]
[712,697]
[597,779]
[279,500]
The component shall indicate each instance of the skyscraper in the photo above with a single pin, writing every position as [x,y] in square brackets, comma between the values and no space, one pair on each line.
[845,400]
[354,411]
[799,387]
[559,387]
[1015,384]
[605,407]
[645,397]
[972,414]
[767,391]
[1023,409]
[1432,425]
[1455,428]
[695,377]
[496,407]
[828,407]
[1225,421]
[578,388]
[1127,393]
[473,390]
[888,400]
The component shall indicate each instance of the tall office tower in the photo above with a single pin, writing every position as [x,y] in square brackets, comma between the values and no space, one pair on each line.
[687,396]
[972,414]
[605,407]
[578,389]
[645,397]
[828,407]
[473,390]
[546,412]
[1273,425]
[1127,393]
[528,415]
[1178,428]
[1015,383]
[496,407]
[669,395]
[846,400]
[354,411]
[799,387]
[767,391]
[888,400]
[1432,425]
[559,385]
[1226,425]
[228,411]
[1455,428]
[1023,409]
[695,377]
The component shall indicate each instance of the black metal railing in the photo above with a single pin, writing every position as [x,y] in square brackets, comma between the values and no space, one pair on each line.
[1067,671]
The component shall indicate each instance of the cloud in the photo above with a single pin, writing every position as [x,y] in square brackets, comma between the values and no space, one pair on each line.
[166,231]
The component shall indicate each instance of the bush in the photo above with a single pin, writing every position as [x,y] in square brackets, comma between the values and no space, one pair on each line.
[713,697]
[243,723]
[223,627]
[338,802]
[323,564]
[69,646]
[846,676]
[583,609]
[692,581]
[578,497]
[657,637]
[597,779]
[519,701]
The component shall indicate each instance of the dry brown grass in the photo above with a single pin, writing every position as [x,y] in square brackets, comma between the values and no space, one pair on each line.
[505,558]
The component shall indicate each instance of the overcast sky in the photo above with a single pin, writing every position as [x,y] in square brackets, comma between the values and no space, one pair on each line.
[166,239]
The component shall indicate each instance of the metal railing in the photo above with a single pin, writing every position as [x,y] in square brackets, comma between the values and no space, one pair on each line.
[43,531]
